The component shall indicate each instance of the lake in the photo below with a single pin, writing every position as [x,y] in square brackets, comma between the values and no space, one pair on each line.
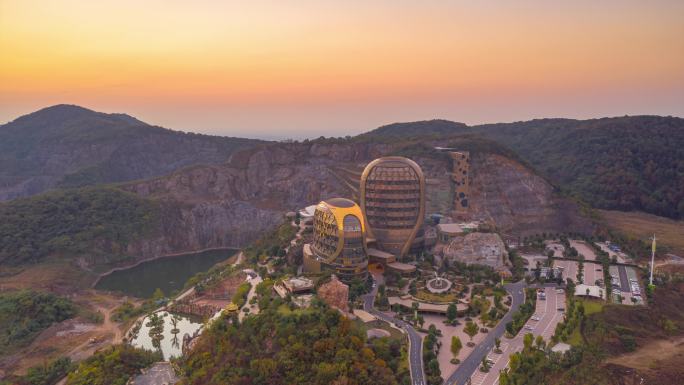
[168,273]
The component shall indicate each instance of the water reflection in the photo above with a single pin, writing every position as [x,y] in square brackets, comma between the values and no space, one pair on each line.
[165,331]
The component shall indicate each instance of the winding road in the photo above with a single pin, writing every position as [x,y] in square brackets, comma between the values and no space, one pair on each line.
[415,340]
[461,375]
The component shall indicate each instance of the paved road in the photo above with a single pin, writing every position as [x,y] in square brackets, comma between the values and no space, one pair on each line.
[548,315]
[415,340]
[461,375]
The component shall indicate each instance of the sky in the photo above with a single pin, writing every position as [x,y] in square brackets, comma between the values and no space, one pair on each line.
[295,69]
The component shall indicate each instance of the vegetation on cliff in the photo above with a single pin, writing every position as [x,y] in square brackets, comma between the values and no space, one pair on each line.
[99,221]
[314,346]
[24,314]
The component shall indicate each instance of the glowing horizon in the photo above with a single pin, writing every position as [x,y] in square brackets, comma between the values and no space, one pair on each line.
[266,69]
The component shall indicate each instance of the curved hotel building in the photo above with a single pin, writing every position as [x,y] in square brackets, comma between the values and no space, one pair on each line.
[393,203]
[338,240]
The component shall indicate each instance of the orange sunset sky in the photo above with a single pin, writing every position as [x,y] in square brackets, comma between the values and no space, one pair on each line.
[278,69]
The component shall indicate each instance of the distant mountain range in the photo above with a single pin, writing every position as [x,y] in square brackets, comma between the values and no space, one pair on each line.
[624,163]
[70,146]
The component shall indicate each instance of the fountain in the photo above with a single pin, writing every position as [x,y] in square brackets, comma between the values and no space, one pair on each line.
[438,285]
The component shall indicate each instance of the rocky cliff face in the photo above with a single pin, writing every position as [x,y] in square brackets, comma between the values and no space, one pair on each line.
[230,205]
[505,193]
[233,204]
[519,201]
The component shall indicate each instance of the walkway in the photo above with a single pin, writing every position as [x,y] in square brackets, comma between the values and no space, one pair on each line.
[415,340]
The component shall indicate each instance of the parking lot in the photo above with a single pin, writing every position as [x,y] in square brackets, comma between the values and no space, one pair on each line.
[592,271]
[543,322]
[626,284]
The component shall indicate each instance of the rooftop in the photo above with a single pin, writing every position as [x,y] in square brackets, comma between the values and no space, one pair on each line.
[379,254]
[340,202]
[404,267]
[450,228]
[594,291]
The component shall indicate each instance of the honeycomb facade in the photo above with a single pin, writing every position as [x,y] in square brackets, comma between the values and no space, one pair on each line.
[338,240]
[460,175]
[393,202]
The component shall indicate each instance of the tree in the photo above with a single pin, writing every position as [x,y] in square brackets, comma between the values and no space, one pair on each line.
[156,333]
[527,341]
[451,312]
[485,364]
[456,346]
[158,294]
[470,329]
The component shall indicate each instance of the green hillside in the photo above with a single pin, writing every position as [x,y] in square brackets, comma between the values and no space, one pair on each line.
[98,221]
[627,163]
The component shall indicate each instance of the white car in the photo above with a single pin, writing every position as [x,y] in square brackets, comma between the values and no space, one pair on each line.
[535,318]
[528,327]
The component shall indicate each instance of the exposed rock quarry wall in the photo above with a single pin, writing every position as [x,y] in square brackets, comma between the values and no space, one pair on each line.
[519,201]
[231,205]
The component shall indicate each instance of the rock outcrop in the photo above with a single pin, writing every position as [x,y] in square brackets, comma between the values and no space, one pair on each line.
[335,294]
[477,248]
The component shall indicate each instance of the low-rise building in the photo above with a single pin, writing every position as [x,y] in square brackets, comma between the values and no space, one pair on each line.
[294,285]
[448,231]
[589,291]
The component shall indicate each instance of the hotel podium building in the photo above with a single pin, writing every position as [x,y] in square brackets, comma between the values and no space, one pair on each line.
[393,204]
[338,240]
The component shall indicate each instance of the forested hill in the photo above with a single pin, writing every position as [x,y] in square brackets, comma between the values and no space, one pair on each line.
[436,127]
[69,146]
[623,163]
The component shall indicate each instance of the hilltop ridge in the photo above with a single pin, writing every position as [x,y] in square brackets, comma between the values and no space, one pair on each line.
[71,146]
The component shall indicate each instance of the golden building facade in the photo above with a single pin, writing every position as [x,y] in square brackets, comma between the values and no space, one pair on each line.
[338,240]
[393,203]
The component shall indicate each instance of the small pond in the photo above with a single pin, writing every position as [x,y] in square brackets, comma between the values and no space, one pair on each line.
[172,343]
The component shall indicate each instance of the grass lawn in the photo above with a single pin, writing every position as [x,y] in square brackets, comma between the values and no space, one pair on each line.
[394,333]
[592,306]
[430,297]
[285,310]
[575,339]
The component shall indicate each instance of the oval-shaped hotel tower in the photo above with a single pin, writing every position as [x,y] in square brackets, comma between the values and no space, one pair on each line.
[393,203]
[338,240]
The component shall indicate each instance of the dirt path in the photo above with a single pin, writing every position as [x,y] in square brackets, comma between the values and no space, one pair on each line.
[107,333]
[646,357]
